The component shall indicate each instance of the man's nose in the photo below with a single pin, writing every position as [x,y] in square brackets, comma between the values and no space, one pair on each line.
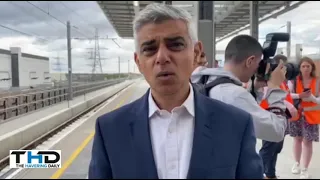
[163,55]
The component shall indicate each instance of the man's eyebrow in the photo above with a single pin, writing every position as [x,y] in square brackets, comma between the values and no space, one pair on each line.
[147,43]
[174,38]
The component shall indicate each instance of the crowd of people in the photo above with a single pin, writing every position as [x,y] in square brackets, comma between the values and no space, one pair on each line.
[175,132]
[302,93]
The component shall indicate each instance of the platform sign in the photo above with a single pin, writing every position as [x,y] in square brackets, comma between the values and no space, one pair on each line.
[35,159]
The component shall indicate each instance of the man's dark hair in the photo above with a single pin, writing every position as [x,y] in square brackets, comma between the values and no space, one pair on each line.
[241,47]
[279,57]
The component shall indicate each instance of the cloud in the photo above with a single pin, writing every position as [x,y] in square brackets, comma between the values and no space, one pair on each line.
[44,23]
[39,27]
[305,28]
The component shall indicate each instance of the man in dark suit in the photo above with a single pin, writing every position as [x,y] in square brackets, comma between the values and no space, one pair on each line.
[172,131]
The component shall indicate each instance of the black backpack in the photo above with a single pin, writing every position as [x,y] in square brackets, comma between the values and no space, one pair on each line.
[204,88]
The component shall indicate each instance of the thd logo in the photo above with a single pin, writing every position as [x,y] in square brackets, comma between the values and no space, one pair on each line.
[35,158]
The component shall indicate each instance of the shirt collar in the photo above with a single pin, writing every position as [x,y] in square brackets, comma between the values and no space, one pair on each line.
[188,103]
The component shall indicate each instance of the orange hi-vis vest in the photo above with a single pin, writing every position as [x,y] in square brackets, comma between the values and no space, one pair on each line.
[285,87]
[265,105]
[311,110]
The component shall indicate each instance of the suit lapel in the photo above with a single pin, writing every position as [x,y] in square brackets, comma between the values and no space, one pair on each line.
[142,146]
[202,150]
[203,141]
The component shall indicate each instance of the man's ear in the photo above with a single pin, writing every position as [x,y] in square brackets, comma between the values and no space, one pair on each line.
[137,61]
[198,49]
[250,60]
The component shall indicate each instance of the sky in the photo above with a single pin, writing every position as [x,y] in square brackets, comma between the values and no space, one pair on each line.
[39,27]
[305,29]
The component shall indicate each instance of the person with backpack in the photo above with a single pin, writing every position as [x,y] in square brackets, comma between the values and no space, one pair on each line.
[242,57]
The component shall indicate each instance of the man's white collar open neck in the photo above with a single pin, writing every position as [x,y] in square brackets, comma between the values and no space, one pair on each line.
[188,103]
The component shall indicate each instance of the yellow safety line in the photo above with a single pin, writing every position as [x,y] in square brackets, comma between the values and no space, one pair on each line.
[76,153]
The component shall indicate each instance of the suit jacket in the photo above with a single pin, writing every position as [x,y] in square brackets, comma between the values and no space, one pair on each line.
[224,144]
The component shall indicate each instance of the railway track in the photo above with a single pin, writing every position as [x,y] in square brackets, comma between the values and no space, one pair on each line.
[4,163]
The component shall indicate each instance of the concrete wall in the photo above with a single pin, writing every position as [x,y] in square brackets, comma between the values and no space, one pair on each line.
[35,71]
[22,70]
[5,69]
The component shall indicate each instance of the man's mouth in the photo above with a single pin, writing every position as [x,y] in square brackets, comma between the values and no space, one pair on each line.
[165,74]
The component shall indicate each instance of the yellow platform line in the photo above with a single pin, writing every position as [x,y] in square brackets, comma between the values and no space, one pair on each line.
[79,149]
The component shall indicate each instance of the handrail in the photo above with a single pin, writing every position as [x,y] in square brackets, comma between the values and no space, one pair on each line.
[54,89]
[40,100]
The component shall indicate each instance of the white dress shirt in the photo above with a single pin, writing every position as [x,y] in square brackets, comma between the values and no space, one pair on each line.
[172,137]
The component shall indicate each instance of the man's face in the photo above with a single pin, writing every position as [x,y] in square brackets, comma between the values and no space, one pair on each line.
[166,55]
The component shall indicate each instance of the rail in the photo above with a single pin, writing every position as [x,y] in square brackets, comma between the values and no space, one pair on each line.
[39,140]
[16,105]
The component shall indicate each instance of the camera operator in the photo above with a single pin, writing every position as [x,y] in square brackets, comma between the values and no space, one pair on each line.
[242,57]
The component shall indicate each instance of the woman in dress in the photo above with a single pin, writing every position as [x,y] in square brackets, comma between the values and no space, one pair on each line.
[305,130]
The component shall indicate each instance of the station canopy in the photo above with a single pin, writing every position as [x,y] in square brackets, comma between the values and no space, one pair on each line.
[230,16]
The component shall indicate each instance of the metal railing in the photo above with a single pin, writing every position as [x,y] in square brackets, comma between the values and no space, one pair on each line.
[16,105]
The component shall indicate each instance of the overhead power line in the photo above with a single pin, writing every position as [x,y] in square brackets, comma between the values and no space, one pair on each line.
[46,13]
[23,33]
[31,14]
[55,18]
[81,17]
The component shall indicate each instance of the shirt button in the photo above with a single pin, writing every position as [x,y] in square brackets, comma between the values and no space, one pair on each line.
[173,167]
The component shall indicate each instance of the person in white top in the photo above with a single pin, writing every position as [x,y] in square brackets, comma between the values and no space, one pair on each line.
[172,131]
[242,57]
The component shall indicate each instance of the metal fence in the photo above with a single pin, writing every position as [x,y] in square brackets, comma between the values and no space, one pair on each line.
[12,106]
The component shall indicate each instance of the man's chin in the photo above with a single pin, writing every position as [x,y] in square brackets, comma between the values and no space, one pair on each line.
[167,89]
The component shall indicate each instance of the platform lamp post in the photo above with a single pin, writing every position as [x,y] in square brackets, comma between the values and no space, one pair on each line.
[70,93]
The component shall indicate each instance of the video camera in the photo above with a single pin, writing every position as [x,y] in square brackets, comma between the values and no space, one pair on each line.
[269,50]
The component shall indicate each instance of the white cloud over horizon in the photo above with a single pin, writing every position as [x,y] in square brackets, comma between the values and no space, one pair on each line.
[85,15]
